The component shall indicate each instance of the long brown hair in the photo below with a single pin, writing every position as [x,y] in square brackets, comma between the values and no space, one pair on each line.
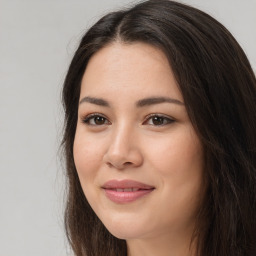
[219,90]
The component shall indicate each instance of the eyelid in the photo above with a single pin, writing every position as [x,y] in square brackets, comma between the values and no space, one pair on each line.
[87,118]
[170,119]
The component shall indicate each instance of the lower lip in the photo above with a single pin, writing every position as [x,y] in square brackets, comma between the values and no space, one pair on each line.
[126,197]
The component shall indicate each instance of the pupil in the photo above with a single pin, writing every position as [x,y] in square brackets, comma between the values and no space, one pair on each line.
[99,120]
[157,120]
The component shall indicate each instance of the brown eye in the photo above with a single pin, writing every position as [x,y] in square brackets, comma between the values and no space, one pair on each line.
[157,120]
[99,120]
[95,120]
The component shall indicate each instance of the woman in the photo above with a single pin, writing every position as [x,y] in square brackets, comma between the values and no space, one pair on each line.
[159,137]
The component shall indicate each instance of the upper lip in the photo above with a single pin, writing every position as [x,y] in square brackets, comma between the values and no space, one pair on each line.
[122,184]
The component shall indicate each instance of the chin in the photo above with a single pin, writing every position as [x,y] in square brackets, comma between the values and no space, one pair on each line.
[124,229]
[125,234]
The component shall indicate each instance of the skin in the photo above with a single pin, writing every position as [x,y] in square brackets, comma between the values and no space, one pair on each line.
[128,144]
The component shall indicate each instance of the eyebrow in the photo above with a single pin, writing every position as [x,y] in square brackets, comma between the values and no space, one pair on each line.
[141,103]
[157,100]
[96,101]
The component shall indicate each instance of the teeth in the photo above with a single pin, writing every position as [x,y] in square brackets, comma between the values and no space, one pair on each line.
[127,189]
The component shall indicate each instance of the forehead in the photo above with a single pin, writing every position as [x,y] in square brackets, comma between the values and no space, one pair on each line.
[136,67]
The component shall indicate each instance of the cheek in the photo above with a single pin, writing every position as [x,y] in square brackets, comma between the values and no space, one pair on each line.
[87,156]
[179,163]
[177,153]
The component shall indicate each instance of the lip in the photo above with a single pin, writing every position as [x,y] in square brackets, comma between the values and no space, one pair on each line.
[126,191]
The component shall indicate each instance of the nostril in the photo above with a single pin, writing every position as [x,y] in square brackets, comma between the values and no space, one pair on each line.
[127,163]
[109,164]
[121,165]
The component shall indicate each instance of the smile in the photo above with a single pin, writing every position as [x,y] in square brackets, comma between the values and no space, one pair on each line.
[126,191]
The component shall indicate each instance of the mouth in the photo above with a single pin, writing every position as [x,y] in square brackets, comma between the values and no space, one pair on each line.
[126,191]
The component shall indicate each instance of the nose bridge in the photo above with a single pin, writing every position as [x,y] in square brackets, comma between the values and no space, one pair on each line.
[121,141]
[123,148]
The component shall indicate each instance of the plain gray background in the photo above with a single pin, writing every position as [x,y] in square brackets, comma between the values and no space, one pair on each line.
[37,41]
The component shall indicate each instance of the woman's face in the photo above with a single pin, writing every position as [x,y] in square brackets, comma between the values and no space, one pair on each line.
[139,160]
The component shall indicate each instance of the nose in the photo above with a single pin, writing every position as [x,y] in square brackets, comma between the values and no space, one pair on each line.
[123,150]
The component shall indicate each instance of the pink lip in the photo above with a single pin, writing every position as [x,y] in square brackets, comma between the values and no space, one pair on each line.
[133,190]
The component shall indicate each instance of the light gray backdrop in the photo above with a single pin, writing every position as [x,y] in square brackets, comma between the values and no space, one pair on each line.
[37,40]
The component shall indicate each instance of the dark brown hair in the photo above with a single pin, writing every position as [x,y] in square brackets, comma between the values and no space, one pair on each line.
[219,90]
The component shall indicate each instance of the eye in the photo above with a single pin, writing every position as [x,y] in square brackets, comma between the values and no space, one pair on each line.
[158,120]
[95,119]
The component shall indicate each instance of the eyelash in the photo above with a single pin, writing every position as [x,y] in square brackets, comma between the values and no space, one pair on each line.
[86,120]
[165,119]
